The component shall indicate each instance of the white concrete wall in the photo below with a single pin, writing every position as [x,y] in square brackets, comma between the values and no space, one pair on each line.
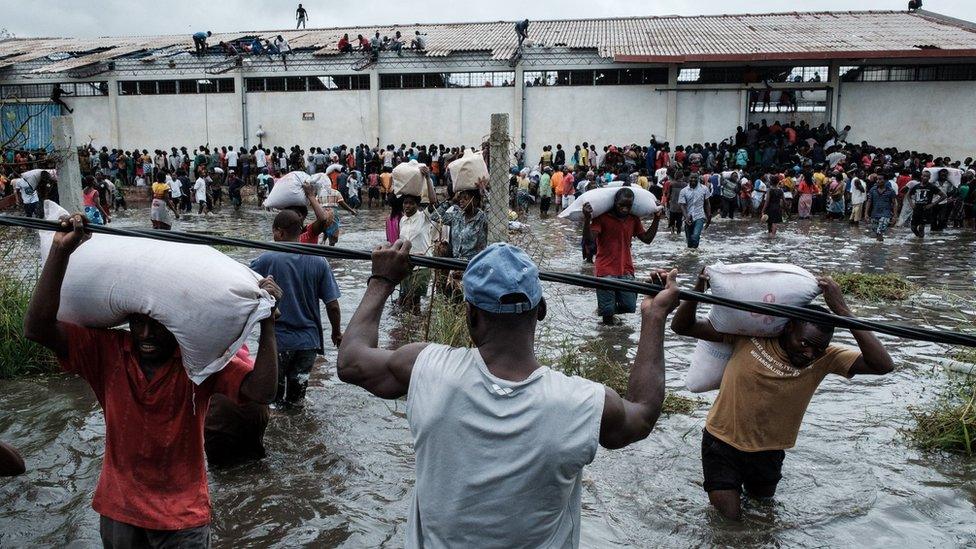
[932,117]
[92,122]
[448,116]
[707,116]
[163,121]
[597,114]
[340,117]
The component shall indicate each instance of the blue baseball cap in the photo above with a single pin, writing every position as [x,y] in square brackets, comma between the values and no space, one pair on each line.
[501,270]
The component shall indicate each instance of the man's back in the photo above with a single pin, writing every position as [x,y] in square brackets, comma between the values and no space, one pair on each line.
[498,462]
[306,280]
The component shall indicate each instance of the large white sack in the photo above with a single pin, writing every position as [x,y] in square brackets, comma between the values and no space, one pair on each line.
[288,191]
[645,203]
[408,179]
[779,283]
[333,168]
[468,170]
[707,366]
[207,300]
[955,175]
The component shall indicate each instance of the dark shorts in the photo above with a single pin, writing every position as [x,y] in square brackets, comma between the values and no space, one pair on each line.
[117,534]
[727,468]
[611,302]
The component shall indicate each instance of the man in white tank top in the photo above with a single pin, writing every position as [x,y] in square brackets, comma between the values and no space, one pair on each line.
[501,440]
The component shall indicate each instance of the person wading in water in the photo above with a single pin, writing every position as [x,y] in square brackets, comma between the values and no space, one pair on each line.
[500,439]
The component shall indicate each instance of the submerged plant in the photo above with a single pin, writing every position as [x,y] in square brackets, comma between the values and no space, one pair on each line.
[949,423]
[874,287]
[18,356]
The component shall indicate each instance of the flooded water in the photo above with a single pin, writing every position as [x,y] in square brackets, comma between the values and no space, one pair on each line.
[340,472]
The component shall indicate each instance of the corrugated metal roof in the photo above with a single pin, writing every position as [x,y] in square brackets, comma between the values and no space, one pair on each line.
[782,36]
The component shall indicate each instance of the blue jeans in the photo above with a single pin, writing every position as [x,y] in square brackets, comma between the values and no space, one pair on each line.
[610,302]
[693,232]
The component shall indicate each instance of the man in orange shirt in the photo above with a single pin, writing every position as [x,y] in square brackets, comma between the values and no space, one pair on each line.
[386,184]
[557,187]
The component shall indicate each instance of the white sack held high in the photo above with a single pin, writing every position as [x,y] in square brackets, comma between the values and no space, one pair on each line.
[955,175]
[207,300]
[773,283]
[645,203]
[288,191]
[408,179]
[467,171]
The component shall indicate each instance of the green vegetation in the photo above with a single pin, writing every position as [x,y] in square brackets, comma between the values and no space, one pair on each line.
[949,423]
[966,354]
[444,322]
[874,287]
[594,361]
[18,356]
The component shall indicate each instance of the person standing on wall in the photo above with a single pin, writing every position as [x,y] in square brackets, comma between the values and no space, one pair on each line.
[302,16]
[56,95]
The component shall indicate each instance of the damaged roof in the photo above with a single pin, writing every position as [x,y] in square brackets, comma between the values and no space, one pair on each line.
[670,39]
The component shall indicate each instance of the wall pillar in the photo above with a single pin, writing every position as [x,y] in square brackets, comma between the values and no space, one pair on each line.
[241,95]
[672,126]
[69,173]
[833,76]
[518,109]
[374,108]
[114,136]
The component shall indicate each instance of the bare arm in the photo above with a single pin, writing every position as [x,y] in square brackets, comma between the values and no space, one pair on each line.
[361,362]
[648,236]
[11,464]
[262,383]
[629,420]
[323,218]
[587,222]
[41,323]
[335,317]
[686,321]
[874,359]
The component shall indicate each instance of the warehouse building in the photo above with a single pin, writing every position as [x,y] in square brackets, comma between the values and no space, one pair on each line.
[900,79]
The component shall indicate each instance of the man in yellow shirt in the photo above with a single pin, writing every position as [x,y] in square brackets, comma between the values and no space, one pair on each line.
[386,184]
[585,155]
[767,386]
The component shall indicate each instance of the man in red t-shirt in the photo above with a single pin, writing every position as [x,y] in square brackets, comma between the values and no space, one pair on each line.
[152,491]
[325,221]
[613,233]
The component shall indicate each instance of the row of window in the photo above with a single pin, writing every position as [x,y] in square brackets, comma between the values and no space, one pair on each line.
[447,80]
[307,83]
[172,87]
[897,73]
[597,77]
[42,91]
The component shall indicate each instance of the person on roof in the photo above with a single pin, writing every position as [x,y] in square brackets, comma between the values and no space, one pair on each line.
[344,45]
[200,41]
[301,15]
[522,30]
[418,42]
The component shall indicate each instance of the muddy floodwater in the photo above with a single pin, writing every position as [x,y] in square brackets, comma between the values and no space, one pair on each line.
[340,472]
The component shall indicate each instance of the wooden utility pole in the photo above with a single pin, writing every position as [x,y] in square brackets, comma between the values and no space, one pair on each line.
[69,173]
[498,171]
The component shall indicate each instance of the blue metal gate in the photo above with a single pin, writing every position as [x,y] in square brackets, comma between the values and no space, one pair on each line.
[27,125]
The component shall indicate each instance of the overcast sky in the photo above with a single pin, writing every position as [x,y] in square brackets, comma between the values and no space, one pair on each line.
[141,17]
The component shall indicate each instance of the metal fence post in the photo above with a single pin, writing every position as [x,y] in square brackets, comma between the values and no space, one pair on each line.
[69,173]
[498,170]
